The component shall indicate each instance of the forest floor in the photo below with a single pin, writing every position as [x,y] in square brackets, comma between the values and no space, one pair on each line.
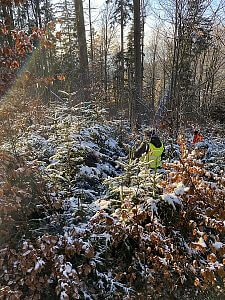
[78,220]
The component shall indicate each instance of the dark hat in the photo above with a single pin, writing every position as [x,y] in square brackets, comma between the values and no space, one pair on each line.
[149,132]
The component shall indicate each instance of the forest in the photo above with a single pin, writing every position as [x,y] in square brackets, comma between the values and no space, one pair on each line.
[112,149]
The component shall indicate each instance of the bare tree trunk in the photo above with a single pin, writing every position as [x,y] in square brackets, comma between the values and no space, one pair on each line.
[106,59]
[106,53]
[82,44]
[38,13]
[90,28]
[91,71]
[122,53]
[201,73]
[137,54]
[152,104]
[142,39]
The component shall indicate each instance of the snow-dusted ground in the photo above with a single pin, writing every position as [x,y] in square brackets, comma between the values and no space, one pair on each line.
[96,206]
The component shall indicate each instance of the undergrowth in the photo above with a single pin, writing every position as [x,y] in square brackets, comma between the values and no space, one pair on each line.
[73,226]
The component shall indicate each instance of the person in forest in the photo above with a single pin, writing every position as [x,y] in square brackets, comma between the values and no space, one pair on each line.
[201,148]
[151,150]
[197,137]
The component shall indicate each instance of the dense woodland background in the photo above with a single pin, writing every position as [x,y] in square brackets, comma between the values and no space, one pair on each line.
[171,67]
[79,81]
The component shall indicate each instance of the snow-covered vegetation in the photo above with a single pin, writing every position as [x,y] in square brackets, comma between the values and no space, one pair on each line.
[79,220]
[93,96]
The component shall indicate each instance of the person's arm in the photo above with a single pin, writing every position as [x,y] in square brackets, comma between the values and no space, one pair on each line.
[142,149]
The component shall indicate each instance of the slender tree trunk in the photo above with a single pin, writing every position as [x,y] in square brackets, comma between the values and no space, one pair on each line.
[122,52]
[91,34]
[34,13]
[28,16]
[200,79]
[38,13]
[106,54]
[102,65]
[173,70]
[142,40]
[137,54]
[152,106]
[91,71]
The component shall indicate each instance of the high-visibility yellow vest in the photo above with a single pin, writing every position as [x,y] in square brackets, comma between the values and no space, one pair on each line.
[153,156]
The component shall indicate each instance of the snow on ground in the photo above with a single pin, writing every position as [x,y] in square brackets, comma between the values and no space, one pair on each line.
[77,154]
